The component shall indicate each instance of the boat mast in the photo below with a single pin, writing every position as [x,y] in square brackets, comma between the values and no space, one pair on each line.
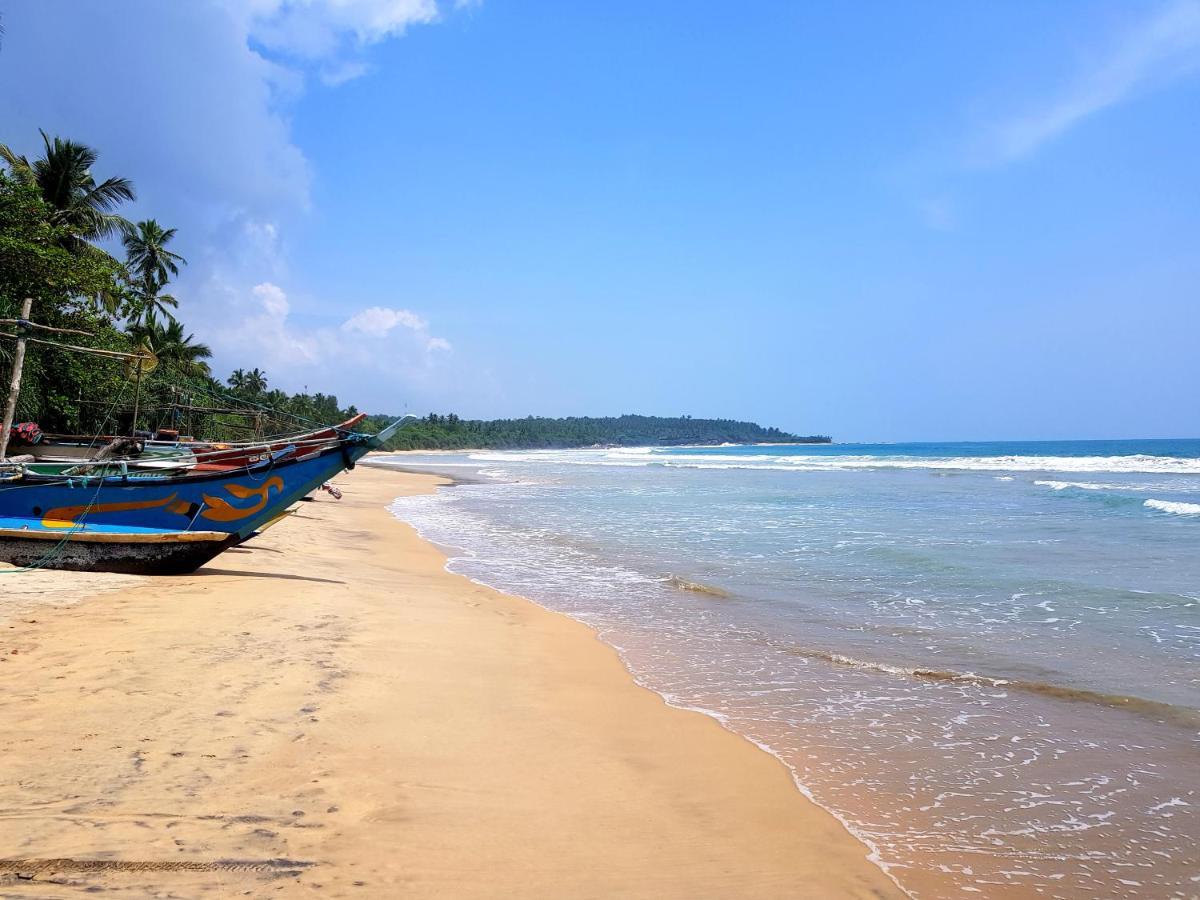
[14,390]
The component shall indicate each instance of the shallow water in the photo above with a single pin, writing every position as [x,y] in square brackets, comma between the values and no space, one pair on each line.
[983,658]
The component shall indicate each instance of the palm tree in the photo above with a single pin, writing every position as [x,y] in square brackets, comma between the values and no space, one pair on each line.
[139,303]
[167,341]
[150,265]
[146,254]
[64,178]
[256,381]
[237,380]
[275,399]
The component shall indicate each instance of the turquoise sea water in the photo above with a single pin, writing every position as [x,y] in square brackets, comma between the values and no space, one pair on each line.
[982,657]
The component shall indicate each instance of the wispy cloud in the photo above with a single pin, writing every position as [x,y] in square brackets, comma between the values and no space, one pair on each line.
[330,32]
[379,321]
[1153,53]
[340,73]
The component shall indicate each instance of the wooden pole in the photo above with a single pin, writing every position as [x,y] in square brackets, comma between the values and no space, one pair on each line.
[14,390]
[137,396]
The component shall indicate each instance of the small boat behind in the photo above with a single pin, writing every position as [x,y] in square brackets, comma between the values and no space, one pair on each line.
[87,547]
[216,456]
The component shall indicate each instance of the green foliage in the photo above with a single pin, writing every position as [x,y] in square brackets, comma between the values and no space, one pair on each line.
[449,432]
[63,178]
[35,262]
[33,259]
[167,341]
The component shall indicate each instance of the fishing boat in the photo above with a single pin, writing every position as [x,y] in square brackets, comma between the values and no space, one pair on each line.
[236,502]
[160,524]
[114,514]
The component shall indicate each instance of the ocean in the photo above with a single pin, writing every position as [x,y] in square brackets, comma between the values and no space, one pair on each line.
[981,657]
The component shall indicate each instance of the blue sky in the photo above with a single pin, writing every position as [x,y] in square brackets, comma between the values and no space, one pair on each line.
[876,220]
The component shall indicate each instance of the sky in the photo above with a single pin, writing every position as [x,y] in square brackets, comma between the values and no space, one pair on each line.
[880,221]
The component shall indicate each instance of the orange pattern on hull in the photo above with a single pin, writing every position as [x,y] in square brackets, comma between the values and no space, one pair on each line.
[65,516]
[219,510]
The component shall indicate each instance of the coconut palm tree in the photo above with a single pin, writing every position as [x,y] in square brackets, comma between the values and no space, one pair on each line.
[138,303]
[150,265]
[256,381]
[146,254]
[64,178]
[167,341]
[237,380]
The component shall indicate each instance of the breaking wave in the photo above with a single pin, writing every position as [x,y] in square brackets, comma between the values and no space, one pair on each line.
[647,456]
[1081,486]
[1173,507]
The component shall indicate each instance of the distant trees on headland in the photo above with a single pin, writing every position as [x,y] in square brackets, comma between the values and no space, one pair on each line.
[449,432]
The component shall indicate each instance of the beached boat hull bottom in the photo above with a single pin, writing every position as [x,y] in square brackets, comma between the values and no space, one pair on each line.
[128,558]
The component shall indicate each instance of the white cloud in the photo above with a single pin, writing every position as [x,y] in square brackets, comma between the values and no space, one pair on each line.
[377,339]
[379,321]
[1156,52]
[320,29]
[273,299]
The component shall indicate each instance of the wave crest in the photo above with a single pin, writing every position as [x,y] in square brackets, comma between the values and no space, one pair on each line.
[1173,507]
[1138,464]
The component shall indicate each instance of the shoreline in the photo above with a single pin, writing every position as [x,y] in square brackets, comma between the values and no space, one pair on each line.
[329,709]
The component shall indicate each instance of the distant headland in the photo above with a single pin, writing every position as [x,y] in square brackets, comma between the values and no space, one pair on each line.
[449,432]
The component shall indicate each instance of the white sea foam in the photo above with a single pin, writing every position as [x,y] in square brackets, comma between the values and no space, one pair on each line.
[1178,509]
[648,456]
[1084,486]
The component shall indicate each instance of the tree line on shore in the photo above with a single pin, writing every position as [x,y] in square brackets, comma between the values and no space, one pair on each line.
[449,432]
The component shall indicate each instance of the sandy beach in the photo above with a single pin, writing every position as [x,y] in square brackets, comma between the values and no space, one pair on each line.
[328,712]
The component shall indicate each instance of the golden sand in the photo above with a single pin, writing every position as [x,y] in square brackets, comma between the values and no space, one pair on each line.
[327,712]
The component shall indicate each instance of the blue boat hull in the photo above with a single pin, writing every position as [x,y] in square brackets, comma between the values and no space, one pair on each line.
[237,503]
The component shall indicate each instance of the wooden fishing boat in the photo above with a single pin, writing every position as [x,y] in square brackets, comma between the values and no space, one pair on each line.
[236,502]
[100,509]
[110,548]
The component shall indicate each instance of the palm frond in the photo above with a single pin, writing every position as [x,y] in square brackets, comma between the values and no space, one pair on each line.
[110,194]
[18,166]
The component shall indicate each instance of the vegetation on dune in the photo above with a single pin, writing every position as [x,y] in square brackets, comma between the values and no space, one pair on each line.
[54,215]
[449,432]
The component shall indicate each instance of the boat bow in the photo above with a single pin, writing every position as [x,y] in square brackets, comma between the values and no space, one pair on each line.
[375,441]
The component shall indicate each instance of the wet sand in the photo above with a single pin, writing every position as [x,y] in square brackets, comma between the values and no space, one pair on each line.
[327,712]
